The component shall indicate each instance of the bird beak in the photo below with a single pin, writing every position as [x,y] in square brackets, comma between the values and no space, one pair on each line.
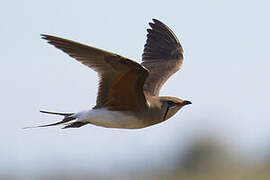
[186,103]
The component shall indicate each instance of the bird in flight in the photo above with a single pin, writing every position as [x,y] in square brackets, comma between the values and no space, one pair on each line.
[128,92]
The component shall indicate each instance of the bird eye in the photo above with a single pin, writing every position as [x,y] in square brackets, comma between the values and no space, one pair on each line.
[170,103]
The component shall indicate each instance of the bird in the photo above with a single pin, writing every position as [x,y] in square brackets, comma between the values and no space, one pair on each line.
[128,92]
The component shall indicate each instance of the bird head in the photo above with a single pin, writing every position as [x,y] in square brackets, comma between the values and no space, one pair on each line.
[171,105]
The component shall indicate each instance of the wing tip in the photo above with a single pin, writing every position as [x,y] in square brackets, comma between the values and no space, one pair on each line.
[158,22]
[161,42]
[44,36]
[155,20]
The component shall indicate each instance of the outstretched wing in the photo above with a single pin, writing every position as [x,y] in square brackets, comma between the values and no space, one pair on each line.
[121,79]
[162,56]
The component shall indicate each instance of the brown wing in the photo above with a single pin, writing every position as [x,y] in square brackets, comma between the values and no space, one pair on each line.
[121,79]
[162,56]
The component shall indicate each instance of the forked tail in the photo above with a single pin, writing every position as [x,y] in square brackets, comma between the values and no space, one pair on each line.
[57,113]
[67,117]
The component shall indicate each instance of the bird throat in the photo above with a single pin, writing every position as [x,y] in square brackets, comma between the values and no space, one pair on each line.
[164,118]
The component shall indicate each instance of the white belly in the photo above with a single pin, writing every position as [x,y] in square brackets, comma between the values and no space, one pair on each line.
[112,119]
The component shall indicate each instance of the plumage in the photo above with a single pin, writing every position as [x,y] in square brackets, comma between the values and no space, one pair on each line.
[114,71]
[128,92]
[162,56]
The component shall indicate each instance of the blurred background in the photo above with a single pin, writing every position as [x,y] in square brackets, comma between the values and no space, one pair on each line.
[224,134]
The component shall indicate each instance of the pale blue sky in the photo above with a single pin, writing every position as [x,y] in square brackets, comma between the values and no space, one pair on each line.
[225,74]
